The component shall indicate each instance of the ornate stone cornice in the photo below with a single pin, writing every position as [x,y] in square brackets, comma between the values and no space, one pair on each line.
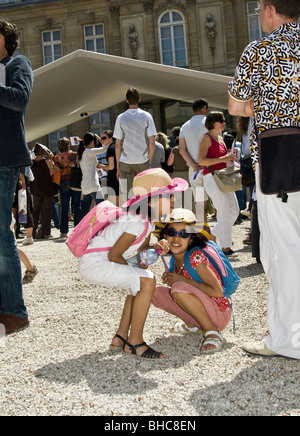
[148,5]
[114,10]
[172,4]
[190,2]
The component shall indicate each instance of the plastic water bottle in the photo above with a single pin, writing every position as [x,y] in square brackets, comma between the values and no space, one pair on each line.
[148,257]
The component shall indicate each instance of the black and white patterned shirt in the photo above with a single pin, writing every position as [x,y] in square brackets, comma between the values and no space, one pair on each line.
[269,73]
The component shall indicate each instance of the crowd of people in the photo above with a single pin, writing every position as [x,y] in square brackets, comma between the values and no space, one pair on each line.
[148,173]
[200,138]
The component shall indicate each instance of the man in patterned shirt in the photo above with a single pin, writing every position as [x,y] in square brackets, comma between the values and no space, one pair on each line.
[266,86]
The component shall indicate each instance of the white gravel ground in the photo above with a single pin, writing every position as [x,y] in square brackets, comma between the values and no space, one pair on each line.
[61,365]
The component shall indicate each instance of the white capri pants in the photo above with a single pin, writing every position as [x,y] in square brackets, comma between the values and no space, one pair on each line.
[227,211]
[95,268]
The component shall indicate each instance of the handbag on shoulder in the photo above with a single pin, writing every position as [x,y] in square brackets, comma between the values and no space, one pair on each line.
[247,171]
[75,178]
[228,179]
[279,161]
[248,175]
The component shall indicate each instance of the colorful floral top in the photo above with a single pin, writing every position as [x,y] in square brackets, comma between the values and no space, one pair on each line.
[65,161]
[196,258]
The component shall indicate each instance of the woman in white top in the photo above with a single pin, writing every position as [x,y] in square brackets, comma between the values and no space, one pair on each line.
[90,186]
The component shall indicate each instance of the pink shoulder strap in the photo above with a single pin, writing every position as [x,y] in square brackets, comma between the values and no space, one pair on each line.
[137,241]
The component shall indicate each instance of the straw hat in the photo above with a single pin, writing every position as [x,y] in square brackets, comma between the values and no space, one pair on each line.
[154,181]
[201,230]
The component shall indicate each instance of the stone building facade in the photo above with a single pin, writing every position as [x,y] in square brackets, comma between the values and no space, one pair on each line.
[206,35]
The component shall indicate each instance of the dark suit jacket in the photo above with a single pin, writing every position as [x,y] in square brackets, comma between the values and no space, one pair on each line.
[14,97]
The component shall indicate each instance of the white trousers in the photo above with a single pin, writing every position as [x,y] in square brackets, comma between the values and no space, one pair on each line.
[280,255]
[227,211]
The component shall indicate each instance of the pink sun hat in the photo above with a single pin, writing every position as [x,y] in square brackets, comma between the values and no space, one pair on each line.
[154,181]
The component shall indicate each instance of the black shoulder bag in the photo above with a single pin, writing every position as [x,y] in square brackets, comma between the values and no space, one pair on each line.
[75,177]
[279,161]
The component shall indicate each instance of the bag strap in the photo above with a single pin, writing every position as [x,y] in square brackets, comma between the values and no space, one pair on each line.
[211,170]
[219,265]
[188,266]
[136,242]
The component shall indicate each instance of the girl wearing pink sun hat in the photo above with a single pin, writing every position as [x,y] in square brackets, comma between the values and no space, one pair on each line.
[154,182]
[153,198]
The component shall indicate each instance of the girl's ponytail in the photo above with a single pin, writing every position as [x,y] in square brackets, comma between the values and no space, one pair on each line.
[81,149]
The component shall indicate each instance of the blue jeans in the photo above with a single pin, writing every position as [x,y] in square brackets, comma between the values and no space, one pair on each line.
[66,194]
[11,290]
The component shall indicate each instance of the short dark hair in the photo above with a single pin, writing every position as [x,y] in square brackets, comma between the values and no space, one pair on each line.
[133,96]
[229,140]
[199,104]
[212,118]
[64,145]
[286,8]
[11,36]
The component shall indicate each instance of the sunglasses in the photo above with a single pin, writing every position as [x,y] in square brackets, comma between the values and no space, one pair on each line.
[103,138]
[183,234]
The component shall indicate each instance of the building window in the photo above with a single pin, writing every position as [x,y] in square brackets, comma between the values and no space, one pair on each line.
[255,30]
[101,121]
[54,137]
[52,46]
[94,38]
[172,39]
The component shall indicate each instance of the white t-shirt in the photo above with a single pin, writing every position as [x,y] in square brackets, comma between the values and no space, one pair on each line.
[96,267]
[192,131]
[134,127]
[129,223]
[159,155]
[88,164]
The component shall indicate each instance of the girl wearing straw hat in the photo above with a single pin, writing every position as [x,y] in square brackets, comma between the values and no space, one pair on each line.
[200,306]
[153,198]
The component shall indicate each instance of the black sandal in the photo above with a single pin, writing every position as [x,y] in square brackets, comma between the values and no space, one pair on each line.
[118,348]
[147,354]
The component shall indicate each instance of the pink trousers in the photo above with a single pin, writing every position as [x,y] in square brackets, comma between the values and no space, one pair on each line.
[163,299]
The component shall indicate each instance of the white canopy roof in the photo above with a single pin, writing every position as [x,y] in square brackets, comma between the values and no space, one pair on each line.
[88,82]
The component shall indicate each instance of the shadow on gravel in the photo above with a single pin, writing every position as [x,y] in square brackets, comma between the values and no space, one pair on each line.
[115,374]
[251,270]
[101,371]
[268,388]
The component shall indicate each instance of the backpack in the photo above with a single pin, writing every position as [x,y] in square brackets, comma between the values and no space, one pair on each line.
[97,219]
[218,259]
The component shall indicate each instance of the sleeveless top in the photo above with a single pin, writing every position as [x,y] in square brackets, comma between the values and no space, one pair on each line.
[216,149]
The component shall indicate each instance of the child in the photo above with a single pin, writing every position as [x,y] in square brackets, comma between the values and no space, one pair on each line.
[31,270]
[201,306]
[153,198]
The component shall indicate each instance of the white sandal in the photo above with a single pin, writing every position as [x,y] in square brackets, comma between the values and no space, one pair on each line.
[218,342]
[180,328]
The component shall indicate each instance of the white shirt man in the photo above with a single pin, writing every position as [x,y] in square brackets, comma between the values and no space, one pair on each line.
[190,137]
[134,128]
